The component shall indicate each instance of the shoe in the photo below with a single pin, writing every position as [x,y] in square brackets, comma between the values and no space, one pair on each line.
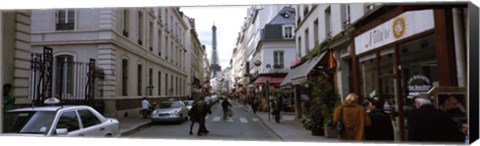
[199,134]
[191,133]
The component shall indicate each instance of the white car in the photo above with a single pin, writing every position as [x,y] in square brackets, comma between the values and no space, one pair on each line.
[60,121]
[170,111]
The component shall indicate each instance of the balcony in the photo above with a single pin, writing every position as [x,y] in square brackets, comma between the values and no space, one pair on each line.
[64,26]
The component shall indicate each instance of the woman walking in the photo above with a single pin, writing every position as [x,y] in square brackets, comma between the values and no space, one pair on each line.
[382,128]
[354,117]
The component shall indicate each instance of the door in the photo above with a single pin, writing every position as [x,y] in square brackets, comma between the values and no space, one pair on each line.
[91,125]
[68,120]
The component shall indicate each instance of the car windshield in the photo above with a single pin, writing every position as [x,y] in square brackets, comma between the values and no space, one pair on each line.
[169,105]
[33,122]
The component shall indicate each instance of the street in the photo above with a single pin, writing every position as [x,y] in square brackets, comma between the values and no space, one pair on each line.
[243,126]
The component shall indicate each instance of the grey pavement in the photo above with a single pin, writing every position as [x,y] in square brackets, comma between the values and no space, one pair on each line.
[130,124]
[289,129]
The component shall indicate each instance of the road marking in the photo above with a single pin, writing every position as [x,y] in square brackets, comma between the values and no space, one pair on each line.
[229,119]
[255,119]
[216,119]
[243,120]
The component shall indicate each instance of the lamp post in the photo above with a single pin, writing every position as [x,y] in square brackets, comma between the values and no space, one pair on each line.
[268,98]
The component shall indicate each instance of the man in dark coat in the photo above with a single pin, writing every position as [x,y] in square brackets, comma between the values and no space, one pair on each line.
[381,128]
[202,109]
[194,117]
[426,123]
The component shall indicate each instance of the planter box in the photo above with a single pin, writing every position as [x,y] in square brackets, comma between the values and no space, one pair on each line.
[317,132]
[330,132]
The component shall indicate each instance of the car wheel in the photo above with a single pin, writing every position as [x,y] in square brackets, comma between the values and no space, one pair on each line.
[108,135]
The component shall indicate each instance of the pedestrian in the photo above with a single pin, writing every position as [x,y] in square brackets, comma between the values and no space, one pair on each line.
[145,107]
[426,123]
[8,99]
[226,111]
[202,109]
[382,128]
[276,109]
[354,117]
[465,132]
[193,115]
[255,104]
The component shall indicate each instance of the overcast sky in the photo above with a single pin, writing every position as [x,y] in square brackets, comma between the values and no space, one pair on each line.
[228,20]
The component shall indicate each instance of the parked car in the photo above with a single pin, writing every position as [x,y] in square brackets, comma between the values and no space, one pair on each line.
[170,111]
[60,121]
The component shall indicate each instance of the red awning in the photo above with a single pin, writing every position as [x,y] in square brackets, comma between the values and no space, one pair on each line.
[274,81]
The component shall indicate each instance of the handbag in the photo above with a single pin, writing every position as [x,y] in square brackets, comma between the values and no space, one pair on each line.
[340,127]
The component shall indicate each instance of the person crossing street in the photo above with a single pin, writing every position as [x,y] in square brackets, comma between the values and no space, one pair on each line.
[226,111]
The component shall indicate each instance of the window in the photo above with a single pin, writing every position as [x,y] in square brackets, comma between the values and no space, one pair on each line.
[166,47]
[307,41]
[171,24]
[139,79]
[68,120]
[159,42]
[150,35]
[64,75]
[171,85]
[88,118]
[171,51]
[176,84]
[65,19]
[315,32]
[166,17]
[150,80]
[299,47]
[140,28]
[166,84]
[278,59]
[159,83]
[347,15]
[288,32]
[126,20]
[124,77]
[159,13]
[328,21]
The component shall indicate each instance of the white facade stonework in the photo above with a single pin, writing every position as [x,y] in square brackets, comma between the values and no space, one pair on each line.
[153,38]
[15,40]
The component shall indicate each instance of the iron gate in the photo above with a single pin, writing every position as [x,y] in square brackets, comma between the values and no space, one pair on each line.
[73,83]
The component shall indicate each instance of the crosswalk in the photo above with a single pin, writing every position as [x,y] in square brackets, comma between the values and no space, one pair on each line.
[231,119]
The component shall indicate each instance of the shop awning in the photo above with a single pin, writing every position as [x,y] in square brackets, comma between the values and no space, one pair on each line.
[274,81]
[288,79]
[305,69]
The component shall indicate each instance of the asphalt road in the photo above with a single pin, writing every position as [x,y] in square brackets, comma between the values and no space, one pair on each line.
[242,126]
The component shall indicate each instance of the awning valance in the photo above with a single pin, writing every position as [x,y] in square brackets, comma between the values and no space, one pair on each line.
[305,68]
[273,81]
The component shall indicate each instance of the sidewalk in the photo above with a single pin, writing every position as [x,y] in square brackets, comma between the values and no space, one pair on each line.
[130,124]
[289,129]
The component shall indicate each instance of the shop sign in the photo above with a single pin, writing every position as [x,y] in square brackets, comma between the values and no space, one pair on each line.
[402,26]
[418,84]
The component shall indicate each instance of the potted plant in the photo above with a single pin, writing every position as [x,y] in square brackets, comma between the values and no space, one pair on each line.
[324,94]
[312,114]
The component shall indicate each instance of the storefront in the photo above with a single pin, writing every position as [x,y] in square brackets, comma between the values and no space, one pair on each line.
[405,52]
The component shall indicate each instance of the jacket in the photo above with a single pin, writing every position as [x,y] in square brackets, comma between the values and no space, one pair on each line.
[381,128]
[430,124]
[355,120]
